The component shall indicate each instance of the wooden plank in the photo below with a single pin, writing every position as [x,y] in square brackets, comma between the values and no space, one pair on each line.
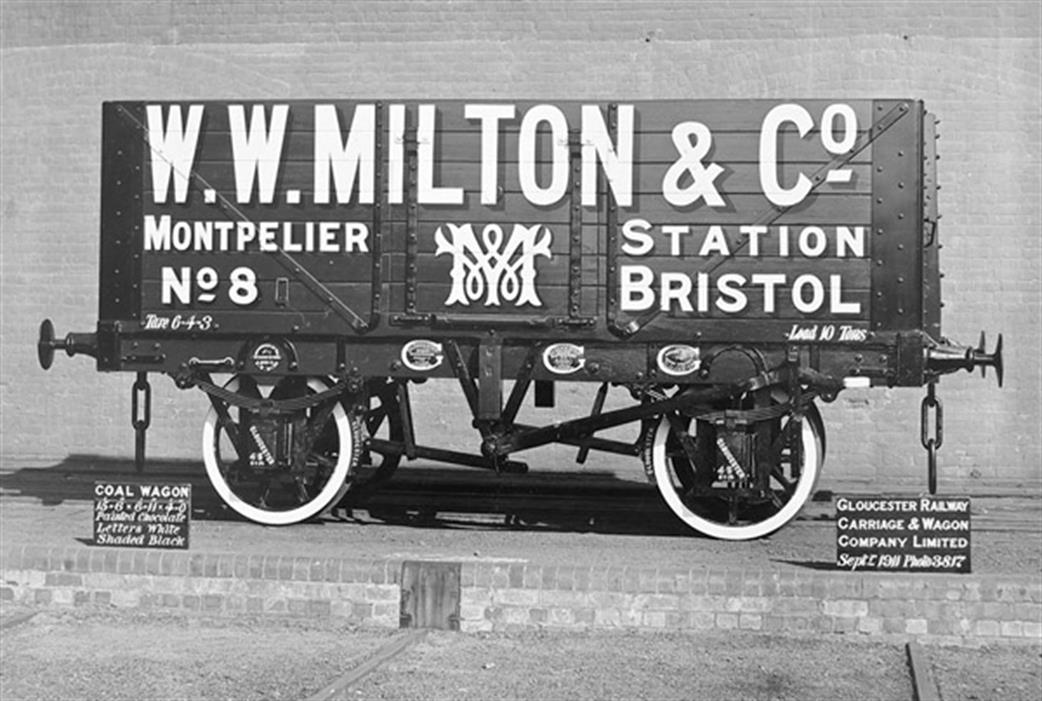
[848,210]
[254,321]
[342,267]
[339,687]
[356,266]
[780,240]
[426,242]
[430,268]
[649,115]
[785,310]
[739,178]
[554,271]
[432,297]
[355,295]
[513,209]
[844,209]
[465,147]
[856,273]
[666,329]
[924,687]
[593,238]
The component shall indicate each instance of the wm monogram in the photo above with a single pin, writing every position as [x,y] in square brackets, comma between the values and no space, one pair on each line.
[490,270]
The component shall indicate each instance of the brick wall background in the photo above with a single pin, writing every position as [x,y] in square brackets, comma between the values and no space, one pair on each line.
[977,65]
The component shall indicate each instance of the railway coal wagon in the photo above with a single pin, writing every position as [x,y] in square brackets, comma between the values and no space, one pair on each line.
[725,264]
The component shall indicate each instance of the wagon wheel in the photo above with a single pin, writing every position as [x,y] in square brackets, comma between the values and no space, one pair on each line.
[382,421]
[688,479]
[279,469]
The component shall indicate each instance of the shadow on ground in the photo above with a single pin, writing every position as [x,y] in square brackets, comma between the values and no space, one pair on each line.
[419,494]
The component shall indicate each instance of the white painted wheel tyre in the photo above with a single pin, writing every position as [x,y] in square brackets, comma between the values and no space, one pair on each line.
[812,442]
[331,491]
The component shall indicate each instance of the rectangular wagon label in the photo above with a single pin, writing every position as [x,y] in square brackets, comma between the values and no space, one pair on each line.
[142,515]
[903,534]
[685,209]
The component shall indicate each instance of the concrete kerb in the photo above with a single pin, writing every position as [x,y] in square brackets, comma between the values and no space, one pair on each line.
[495,596]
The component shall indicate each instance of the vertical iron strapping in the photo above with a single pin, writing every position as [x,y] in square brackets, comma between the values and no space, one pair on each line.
[611,239]
[122,185]
[411,225]
[931,277]
[575,227]
[896,217]
[376,241]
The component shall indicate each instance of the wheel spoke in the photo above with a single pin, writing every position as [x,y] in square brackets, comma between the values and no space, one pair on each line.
[788,485]
[302,492]
[323,460]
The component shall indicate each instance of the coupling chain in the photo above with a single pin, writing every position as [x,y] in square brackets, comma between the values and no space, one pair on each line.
[931,442]
[141,403]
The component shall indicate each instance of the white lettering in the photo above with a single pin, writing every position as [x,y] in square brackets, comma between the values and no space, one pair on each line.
[772,188]
[674,233]
[836,303]
[427,191]
[638,242]
[815,248]
[850,241]
[176,284]
[731,299]
[844,144]
[490,116]
[347,161]
[754,233]
[617,158]
[636,294]
[157,236]
[527,155]
[817,294]
[173,149]
[256,155]
[395,154]
[676,287]
[715,242]
[770,282]
[690,165]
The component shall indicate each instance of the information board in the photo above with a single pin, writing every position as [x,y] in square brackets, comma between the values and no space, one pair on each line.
[909,534]
[136,515]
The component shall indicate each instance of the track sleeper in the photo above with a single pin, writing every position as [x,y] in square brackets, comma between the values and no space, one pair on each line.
[924,688]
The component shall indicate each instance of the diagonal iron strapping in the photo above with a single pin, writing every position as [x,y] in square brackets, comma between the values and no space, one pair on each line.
[771,214]
[294,267]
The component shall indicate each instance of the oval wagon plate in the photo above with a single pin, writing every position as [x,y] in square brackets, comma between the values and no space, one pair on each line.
[564,358]
[678,359]
[422,355]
